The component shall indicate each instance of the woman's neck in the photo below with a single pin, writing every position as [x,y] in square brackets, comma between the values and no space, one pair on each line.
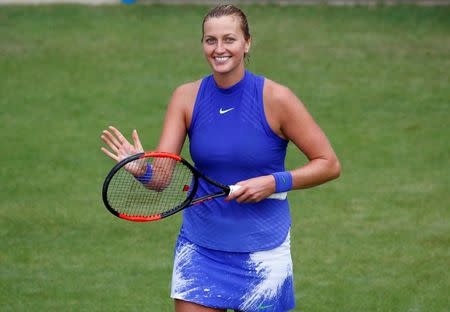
[229,79]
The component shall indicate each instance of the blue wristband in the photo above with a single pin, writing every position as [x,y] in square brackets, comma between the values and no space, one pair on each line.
[144,179]
[283,181]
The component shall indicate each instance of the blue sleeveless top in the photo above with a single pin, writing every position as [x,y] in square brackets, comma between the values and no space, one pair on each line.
[230,141]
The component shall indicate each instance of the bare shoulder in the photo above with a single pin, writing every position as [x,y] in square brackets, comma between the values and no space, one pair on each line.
[279,102]
[188,88]
[186,93]
[276,94]
[282,106]
[183,100]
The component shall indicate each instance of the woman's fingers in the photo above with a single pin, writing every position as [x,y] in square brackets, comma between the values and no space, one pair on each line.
[116,141]
[253,190]
[136,141]
[119,146]
[113,139]
[109,154]
[109,140]
[119,135]
[236,193]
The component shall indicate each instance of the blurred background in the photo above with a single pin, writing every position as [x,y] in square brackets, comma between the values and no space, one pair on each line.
[240,2]
[375,77]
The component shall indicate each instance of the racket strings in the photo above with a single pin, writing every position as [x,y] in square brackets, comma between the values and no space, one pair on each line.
[167,189]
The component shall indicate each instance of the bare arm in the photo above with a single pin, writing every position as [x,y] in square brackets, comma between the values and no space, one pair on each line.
[299,127]
[289,119]
[172,136]
[178,114]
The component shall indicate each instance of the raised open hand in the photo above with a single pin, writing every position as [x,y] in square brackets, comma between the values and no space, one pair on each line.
[120,148]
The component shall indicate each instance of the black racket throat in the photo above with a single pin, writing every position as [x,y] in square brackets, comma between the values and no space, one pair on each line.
[208,197]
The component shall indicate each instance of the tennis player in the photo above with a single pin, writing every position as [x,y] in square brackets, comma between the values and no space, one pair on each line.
[235,253]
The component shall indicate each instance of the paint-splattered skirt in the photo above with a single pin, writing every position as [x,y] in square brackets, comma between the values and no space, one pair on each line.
[260,281]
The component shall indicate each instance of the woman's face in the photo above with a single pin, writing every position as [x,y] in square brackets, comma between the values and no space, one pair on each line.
[224,44]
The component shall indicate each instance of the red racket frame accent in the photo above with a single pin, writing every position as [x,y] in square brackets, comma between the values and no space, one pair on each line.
[161,154]
[139,218]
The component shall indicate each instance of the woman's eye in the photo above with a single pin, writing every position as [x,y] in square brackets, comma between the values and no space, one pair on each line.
[210,41]
[229,40]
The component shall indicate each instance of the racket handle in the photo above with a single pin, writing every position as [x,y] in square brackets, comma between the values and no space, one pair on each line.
[279,196]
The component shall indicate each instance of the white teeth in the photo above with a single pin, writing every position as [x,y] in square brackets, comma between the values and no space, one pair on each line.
[222,58]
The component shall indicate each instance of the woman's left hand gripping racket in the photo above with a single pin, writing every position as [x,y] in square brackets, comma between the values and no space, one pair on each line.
[154,185]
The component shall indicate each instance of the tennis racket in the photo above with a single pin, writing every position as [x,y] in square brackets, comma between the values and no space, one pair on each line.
[154,185]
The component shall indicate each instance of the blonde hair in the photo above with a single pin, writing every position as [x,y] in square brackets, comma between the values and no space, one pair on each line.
[228,10]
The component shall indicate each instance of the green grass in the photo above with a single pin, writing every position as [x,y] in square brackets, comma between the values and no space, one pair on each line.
[376,79]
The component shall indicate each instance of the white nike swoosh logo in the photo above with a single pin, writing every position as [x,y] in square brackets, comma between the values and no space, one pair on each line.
[223,111]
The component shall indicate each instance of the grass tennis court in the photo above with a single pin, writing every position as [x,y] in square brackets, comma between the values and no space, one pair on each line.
[376,80]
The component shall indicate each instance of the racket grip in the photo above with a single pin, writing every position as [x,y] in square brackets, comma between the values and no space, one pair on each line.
[278,196]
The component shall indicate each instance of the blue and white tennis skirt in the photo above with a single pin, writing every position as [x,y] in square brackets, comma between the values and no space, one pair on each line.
[259,281]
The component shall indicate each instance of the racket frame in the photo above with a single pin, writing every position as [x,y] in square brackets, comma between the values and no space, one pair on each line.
[189,201]
[145,155]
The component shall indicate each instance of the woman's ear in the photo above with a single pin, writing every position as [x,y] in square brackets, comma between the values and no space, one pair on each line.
[248,44]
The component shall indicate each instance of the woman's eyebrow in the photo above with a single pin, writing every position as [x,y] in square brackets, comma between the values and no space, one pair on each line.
[225,35]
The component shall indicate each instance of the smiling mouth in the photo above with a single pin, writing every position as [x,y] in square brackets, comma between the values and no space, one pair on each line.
[221,59]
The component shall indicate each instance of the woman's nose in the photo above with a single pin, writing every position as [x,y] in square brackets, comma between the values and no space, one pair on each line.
[220,47]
